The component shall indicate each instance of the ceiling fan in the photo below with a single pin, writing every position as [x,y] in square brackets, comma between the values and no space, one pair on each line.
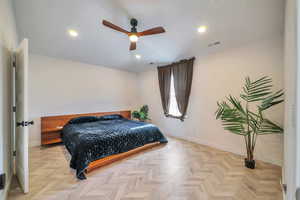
[133,34]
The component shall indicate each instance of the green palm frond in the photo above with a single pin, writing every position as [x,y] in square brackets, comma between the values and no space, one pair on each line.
[232,118]
[221,107]
[268,127]
[236,104]
[272,100]
[235,118]
[257,90]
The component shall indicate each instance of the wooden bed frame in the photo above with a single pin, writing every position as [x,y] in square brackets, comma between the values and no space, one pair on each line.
[113,158]
[51,127]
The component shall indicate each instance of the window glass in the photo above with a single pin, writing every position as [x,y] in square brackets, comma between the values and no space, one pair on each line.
[173,109]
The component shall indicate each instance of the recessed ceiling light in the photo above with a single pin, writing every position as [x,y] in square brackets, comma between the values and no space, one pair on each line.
[137,56]
[202,29]
[73,33]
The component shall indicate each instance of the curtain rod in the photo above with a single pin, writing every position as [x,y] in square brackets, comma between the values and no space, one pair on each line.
[178,62]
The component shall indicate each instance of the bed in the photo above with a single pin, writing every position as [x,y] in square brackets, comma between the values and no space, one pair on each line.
[94,141]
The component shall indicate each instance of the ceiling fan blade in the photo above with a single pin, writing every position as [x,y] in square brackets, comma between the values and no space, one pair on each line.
[152,31]
[115,27]
[132,46]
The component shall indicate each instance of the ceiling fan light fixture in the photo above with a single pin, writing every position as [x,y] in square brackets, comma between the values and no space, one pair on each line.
[202,29]
[133,38]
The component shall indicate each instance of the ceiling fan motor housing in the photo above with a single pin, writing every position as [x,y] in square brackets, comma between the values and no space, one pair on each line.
[134,24]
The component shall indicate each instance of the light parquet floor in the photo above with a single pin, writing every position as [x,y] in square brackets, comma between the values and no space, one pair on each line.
[179,170]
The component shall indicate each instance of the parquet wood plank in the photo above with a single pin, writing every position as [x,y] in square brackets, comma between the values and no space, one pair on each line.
[179,170]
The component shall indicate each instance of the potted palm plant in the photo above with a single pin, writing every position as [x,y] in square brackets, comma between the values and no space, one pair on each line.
[238,118]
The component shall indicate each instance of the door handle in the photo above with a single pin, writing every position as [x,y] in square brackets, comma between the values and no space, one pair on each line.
[25,123]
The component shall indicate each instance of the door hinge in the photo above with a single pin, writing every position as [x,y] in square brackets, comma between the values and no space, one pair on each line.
[14,108]
[14,60]
[2,181]
[14,153]
[284,188]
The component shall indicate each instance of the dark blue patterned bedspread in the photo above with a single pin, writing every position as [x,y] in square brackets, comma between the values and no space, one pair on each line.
[91,141]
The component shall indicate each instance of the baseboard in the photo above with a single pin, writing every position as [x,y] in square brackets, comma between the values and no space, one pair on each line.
[283,183]
[205,143]
[34,143]
[220,147]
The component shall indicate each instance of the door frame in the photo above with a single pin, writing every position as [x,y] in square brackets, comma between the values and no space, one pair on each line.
[291,167]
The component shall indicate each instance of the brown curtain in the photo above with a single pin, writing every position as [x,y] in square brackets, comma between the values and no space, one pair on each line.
[183,76]
[164,78]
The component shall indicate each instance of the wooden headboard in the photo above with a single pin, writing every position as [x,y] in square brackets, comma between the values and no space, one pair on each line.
[52,125]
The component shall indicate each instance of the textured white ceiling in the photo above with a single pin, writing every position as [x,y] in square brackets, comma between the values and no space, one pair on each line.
[233,22]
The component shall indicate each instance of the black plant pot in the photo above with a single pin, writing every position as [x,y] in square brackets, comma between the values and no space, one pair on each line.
[250,163]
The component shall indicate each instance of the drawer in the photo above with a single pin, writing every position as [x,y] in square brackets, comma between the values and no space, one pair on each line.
[51,137]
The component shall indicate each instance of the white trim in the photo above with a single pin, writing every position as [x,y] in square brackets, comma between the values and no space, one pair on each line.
[226,148]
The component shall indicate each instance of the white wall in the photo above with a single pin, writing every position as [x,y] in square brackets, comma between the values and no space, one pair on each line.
[64,87]
[216,76]
[8,40]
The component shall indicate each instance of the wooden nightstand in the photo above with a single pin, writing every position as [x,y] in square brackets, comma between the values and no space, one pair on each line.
[51,135]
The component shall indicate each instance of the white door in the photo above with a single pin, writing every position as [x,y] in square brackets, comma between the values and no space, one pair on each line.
[21,116]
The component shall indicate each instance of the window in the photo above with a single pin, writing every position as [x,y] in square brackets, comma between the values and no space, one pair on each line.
[180,73]
[173,107]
